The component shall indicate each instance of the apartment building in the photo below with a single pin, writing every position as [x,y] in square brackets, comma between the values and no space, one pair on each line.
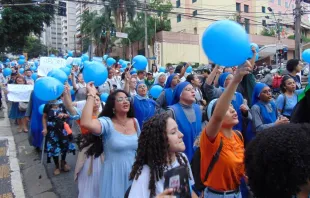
[194,16]
[52,35]
[68,27]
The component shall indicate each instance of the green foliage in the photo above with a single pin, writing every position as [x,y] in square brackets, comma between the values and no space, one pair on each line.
[268,32]
[34,47]
[18,22]
[160,10]
[92,29]
[303,37]
[122,11]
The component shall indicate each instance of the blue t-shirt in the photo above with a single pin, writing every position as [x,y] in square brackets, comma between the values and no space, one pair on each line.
[290,103]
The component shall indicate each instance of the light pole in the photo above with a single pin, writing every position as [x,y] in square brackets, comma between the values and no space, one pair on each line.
[278,33]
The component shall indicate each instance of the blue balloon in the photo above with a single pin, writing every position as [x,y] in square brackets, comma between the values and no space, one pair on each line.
[306,55]
[34,76]
[105,57]
[52,55]
[133,70]
[59,75]
[110,61]
[13,64]
[124,64]
[33,68]
[120,61]
[162,69]
[256,49]
[36,63]
[155,91]
[95,71]
[48,88]
[189,69]
[21,57]
[104,97]
[122,70]
[84,58]
[21,70]
[8,60]
[222,46]
[98,59]
[21,61]
[66,69]
[139,62]
[7,72]
[70,53]
[41,108]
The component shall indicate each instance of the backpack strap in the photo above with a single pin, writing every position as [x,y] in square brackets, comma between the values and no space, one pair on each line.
[214,160]
[284,104]
[239,135]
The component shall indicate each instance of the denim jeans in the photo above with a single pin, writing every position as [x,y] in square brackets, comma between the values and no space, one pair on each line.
[208,194]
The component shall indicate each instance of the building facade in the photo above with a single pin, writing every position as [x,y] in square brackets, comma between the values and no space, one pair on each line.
[68,27]
[52,35]
[194,16]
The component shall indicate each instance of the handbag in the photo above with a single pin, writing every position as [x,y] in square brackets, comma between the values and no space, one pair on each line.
[23,106]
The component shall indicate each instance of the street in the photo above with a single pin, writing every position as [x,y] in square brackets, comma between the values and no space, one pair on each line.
[38,180]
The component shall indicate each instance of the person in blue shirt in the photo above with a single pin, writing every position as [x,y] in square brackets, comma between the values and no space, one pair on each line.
[294,66]
[289,97]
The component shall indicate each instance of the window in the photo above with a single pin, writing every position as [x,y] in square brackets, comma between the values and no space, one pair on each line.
[286,4]
[279,2]
[263,9]
[246,8]
[271,1]
[179,18]
[264,23]
[195,30]
[238,7]
[247,25]
[193,1]
[195,13]
[280,13]
[178,3]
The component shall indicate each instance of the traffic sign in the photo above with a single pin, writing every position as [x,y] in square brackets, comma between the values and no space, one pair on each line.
[121,35]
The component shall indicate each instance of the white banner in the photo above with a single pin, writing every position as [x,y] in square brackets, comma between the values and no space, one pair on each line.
[19,93]
[49,63]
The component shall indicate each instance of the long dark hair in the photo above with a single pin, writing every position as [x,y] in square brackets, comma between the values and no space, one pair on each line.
[153,150]
[110,105]
[282,85]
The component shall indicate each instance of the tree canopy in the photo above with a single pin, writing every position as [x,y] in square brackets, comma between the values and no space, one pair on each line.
[18,22]
[34,47]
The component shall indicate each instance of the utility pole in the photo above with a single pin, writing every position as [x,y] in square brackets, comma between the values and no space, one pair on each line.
[297,13]
[145,30]
[278,59]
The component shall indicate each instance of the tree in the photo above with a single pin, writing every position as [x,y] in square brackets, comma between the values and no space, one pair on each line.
[34,47]
[97,28]
[161,10]
[18,22]
[122,11]
[268,32]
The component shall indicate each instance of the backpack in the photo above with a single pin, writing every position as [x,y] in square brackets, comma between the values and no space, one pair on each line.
[195,165]
[276,82]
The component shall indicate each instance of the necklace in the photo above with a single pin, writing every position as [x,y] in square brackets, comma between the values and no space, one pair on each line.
[122,124]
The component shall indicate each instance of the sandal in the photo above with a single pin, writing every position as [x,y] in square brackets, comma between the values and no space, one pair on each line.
[25,131]
[65,167]
[56,171]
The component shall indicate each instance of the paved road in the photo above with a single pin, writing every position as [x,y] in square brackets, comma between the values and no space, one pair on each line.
[38,180]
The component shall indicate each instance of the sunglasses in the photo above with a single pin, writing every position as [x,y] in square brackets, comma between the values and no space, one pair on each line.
[122,99]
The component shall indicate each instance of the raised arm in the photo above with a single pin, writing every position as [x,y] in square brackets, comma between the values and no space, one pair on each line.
[224,102]
[68,101]
[127,79]
[253,59]
[74,85]
[212,76]
[87,122]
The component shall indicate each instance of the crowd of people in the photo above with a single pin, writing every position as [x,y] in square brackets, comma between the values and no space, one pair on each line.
[223,120]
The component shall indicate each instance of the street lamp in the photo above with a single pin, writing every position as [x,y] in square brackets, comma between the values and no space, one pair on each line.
[277,29]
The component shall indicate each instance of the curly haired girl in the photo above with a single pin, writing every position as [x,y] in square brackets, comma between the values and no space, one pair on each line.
[159,149]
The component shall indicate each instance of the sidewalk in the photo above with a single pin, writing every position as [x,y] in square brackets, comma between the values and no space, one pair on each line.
[10,176]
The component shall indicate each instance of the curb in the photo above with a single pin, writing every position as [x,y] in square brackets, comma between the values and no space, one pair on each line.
[16,178]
